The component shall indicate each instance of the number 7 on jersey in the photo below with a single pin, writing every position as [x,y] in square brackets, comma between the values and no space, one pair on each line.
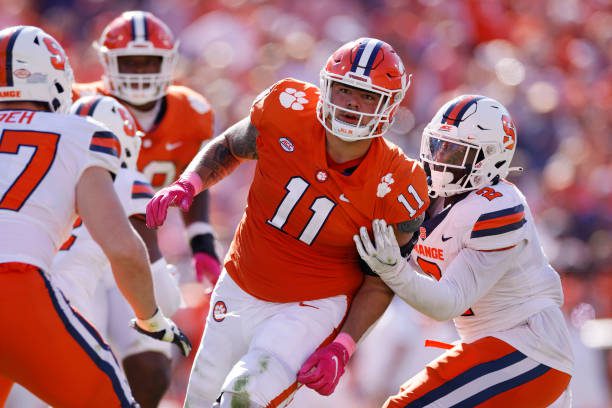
[45,147]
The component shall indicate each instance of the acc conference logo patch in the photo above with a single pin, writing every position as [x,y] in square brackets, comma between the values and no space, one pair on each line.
[286,144]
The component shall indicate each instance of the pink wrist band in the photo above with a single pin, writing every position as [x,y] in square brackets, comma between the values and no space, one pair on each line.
[347,341]
[194,179]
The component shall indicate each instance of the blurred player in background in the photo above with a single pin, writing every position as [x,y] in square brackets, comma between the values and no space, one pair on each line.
[481,264]
[292,269]
[83,270]
[52,167]
[138,52]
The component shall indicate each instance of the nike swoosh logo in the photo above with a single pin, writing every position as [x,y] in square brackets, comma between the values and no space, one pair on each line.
[172,146]
[343,198]
[335,359]
[444,239]
[306,305]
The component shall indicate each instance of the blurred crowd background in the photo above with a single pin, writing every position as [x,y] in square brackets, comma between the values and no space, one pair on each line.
[548,61]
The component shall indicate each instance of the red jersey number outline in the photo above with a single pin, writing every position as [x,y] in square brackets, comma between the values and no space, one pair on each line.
[45,149]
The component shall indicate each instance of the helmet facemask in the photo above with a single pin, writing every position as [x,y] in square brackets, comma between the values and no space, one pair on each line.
[365,125]
[135,87]
[456,166]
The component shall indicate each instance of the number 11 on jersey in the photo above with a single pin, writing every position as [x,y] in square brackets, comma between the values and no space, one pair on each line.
[321,208]
[416,197]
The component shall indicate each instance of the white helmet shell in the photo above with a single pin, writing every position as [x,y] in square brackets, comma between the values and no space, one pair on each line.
[471,138]
[36,68]
[118,119]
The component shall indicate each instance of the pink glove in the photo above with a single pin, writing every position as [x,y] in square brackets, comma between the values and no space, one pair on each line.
[324,367]
[206,266]
[180,193]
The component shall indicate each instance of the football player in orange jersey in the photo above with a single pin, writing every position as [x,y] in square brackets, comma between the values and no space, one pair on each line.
[138,52]
[292,269]
[54,167]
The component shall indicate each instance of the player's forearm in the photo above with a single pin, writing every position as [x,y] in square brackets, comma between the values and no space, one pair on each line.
[224,153]
[213,163]
[149,237]
[199,210]
[468,277]
[369,304]
[133,277]
[438,300]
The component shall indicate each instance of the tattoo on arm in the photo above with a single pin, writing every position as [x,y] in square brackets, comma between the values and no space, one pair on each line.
[243,142]
[224,153]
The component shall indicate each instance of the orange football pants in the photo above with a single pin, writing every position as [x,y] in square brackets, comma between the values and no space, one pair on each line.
[485,373]
[47,347]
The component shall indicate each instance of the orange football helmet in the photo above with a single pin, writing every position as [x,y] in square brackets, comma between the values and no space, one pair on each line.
[136,33]
[371,65]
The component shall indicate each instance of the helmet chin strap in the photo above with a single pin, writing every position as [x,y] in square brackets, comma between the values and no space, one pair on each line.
[348,132]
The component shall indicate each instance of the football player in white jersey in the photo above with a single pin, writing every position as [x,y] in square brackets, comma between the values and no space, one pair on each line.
[54,167]
[84,273]
[478,260]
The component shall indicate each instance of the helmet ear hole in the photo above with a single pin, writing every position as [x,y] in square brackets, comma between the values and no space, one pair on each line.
[55,104]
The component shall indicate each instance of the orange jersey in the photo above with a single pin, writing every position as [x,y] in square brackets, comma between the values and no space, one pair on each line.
[295,240]
[184,123]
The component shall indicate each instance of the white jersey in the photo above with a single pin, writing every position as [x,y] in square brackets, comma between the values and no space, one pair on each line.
[81,261]
[488,221]
[42,157]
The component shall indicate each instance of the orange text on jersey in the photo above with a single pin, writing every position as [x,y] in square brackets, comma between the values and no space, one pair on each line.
[17,116]
[430,252]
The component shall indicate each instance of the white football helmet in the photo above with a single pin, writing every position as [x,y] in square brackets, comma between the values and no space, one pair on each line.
[118,119]
[371,65]
[136,33]
[35,68]
[468,144]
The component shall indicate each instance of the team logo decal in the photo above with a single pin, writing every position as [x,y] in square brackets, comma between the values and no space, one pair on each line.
[321,176]
[383,187]
[219,311]
[422,233]
[286,144]
[21,73]
[292,98]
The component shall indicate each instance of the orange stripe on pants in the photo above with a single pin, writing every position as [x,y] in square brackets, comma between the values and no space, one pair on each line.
[40,353]
[539,392]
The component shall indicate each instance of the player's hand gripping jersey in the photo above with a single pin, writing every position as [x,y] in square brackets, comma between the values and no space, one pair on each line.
[46,155]
[295,240]
[183,124]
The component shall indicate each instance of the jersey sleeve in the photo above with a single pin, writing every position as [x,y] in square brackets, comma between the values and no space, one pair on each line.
[104,149]
[499,229]
[134,191]
[203,114]
[411,197]
[100,147]
[140,195]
